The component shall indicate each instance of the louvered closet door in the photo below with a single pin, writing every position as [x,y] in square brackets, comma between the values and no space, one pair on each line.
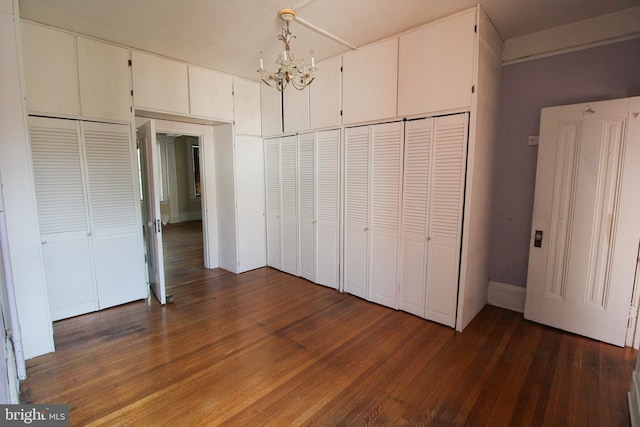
[445,219]
[327,207]
[415,211]
[114,207]
[272,177]
[306,194]
[62,213]
[356,211]
[289,187]
[386,188]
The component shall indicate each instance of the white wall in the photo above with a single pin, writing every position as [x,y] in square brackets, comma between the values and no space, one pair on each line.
[19,196]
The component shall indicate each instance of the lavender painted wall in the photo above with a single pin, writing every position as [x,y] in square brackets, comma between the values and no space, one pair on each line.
[605,72]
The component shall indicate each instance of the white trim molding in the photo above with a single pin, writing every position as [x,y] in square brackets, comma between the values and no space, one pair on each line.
[506,296]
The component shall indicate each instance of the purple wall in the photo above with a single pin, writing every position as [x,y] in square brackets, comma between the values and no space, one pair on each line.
[605,72]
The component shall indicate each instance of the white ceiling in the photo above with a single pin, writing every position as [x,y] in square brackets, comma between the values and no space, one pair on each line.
[226,35]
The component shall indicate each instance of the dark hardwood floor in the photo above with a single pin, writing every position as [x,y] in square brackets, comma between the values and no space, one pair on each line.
[265,347]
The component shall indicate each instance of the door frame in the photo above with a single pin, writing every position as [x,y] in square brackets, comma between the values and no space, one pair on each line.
[205,136]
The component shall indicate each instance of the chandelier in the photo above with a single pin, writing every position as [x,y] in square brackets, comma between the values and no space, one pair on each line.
[288,69]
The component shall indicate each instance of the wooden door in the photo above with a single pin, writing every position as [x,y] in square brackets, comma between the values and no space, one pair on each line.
[585,229]
[356,233]
[272,179]
[327,210]
[306,197]
[446,200]
[289,194]
[385,189]
[151,196]
[415,213]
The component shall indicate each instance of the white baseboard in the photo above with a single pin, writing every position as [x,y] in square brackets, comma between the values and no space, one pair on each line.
[506,296]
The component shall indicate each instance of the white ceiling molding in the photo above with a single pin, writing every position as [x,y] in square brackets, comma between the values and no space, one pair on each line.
[604,29]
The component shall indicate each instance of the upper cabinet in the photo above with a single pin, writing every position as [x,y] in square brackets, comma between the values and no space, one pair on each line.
[160,84]
[435,68]
[210,94]
[104,80]
[325,95]
[295,104]
[271,107]
[370,82]
[246,107]
[51,70]
[75,76]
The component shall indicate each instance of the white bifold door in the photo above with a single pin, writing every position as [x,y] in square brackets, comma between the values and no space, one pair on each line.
[281,170]
[373,189]
[319,202]
[586,219]
[433,195]
[88,208]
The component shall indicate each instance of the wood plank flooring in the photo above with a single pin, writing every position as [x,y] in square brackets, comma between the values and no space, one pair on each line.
[266,348]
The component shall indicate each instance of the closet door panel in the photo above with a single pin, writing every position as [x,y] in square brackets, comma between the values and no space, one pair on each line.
[306,191]
[327,207]
[356,211]
[272,177]
[289,181]
[386,188]
[445,222]
[63,216]
[417,149]
[114,206]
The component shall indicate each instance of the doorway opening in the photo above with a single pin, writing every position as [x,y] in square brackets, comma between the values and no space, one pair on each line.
[174,204]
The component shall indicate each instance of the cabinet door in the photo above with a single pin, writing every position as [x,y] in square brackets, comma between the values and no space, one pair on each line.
[289,188]
[246,106]
[415,212]
[210,94]
[160,84]
[325,95]
[306,194]
[356,211]
[249,176]
[445,219]
[370,82]
[271,108]
[63,216]
[386,189]
[436,66]
[51,70]
[327,238]
[105,80]
[295,104]
[114,203]
[272,176]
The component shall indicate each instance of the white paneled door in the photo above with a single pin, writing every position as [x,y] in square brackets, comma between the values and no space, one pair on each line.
[356,202]
[289,206]
[152,221]
[385,192]
[585,230]
[327,238]
[306,194]
[274,222]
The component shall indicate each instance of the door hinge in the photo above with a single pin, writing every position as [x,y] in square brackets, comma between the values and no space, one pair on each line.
[131,92]
[146,261]
[341,68]
[475,28]
[130,63]
[340,112]
[473,89]
[633,312]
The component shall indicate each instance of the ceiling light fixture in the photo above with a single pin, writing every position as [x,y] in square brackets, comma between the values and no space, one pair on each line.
[288,69]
